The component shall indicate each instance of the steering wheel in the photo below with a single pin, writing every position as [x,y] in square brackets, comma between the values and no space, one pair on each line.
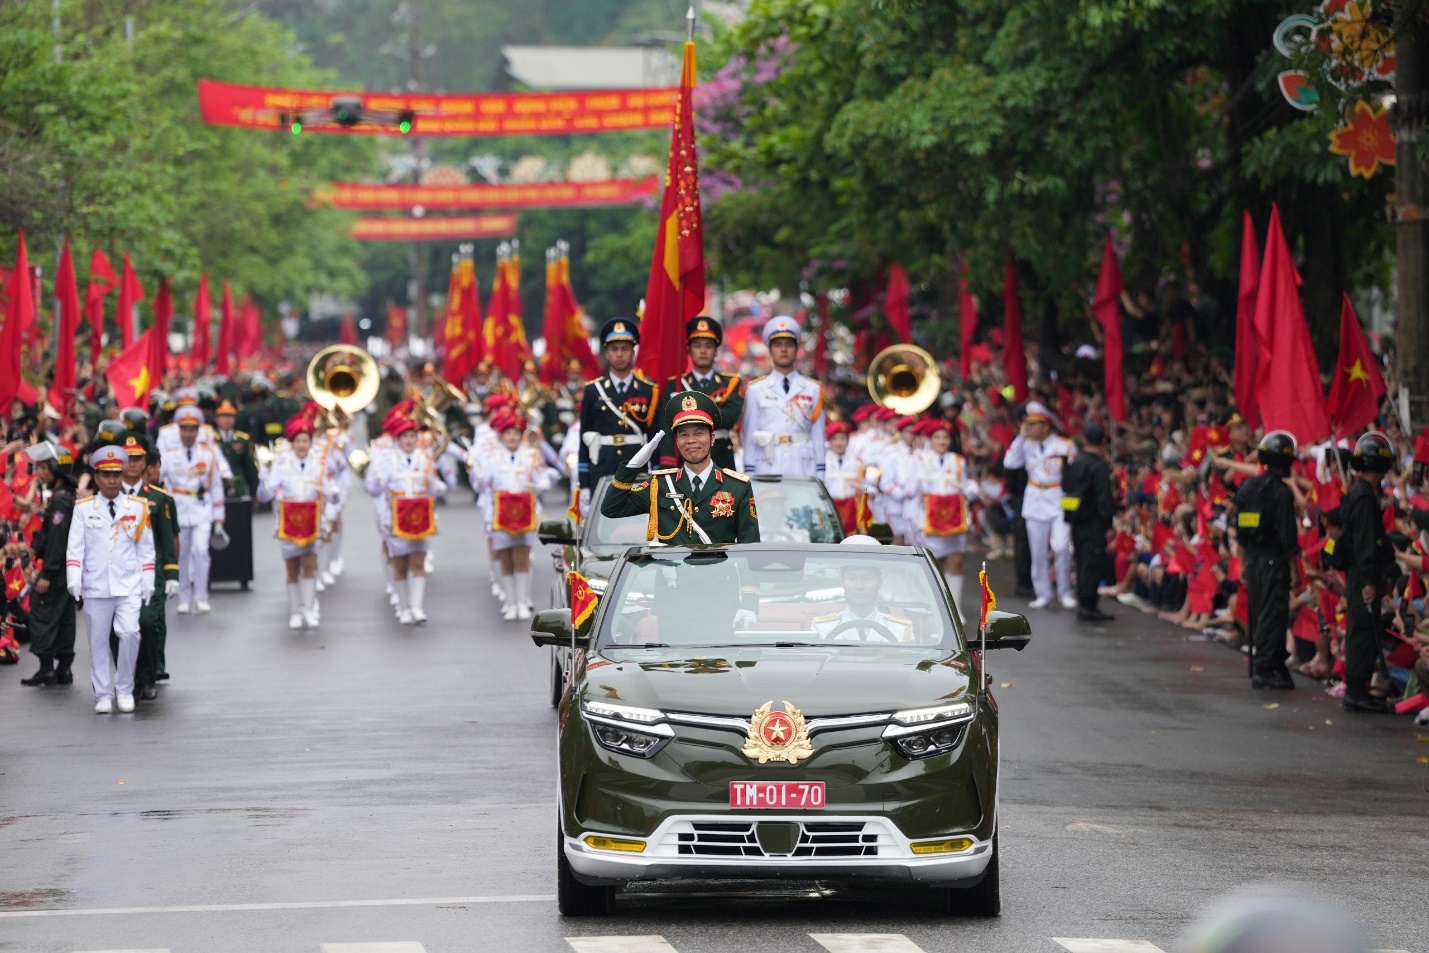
[863,625]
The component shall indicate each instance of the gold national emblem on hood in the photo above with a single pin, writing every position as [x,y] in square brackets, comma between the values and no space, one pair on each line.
[777,735]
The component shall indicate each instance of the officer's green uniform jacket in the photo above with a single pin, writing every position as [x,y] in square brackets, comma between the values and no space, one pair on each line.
[726,390]
[52,612]
[238,451]
[724,507]
[153,625]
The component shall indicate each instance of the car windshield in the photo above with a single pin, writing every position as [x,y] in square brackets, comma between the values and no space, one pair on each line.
[790,511]
[714,598]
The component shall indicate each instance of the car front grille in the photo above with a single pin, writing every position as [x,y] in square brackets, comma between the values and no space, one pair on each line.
[817,840]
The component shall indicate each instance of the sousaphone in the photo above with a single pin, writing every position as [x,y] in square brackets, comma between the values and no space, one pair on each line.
[905,378]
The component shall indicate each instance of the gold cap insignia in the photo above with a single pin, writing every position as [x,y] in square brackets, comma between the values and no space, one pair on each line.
[777,735]
[703,325]
[689,403]
[619,327]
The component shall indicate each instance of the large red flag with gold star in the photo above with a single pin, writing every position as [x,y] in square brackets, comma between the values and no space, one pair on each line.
[675,291]
[130,375]
[1357,388]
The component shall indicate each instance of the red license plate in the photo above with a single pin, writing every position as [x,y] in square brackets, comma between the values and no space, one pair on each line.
[777,795]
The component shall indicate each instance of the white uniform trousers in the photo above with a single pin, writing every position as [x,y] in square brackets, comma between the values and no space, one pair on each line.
[121,613]
[1057,534]
[194,562]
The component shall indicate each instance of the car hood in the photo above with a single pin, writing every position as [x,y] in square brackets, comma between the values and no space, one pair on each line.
[818,681]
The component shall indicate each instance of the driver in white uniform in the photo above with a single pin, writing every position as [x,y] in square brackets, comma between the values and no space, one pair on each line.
[863,621]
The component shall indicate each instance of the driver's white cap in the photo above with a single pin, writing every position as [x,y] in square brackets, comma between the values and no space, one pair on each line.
[858,539]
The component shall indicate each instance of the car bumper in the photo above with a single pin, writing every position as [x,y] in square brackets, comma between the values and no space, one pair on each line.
[707,847]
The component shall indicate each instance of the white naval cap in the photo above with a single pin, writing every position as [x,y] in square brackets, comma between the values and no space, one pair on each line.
[1036,410]
[781,326]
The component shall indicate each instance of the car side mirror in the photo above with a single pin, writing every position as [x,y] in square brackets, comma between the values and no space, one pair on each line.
[882,532]
[1007,630]
[553,627]
[556,533]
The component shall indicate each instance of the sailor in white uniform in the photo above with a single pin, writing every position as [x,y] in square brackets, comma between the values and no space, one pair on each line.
[193,475]
[109,568]
[783,423]
[1042,452]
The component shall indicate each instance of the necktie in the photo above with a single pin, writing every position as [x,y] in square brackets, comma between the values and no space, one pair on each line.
[695,484]
[786,385]
[409,461]
[841,463]
[302,466]
[190,452]
[620,389]
[112,511]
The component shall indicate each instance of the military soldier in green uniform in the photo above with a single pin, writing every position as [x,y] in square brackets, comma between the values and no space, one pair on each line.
[704,337]
[696,502]
[52,608]
[237,449]
[140,471]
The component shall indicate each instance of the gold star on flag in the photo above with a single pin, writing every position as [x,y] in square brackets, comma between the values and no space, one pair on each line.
[140,382]
[1357,372]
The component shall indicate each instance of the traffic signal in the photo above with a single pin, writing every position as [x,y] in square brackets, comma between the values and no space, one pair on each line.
[404,121]
[296,128]
[347,111]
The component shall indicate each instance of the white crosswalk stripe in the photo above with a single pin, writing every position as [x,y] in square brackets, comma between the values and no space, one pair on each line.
[123,951]
[1106,946]
[620,944]
[865,943]
[404,947]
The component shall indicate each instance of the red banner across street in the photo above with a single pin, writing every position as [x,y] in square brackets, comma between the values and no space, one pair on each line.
[449,228]
[537,195]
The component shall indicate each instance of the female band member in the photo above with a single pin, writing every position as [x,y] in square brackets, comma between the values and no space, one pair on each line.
[300,485]
[938,479]
[405,488]
[512,478]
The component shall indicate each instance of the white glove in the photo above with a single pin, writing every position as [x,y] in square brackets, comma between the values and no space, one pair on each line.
[745,619]
[171,588]
[643,455]
[76,593]
[145,595]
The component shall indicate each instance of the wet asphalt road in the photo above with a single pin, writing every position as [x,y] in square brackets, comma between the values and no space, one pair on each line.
[370,783]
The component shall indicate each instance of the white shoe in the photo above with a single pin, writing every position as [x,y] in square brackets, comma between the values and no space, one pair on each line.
[392,598]
[104,706]
[405,617]
[508,613]
[311,618]
[126,703]
[184,608]
[295,621]
[328,578]
[1129,599]
[523,611]
[335,567]
[1069,602]
[1039,603]
[497,591]
[418,617]
[320,583]
[202,606]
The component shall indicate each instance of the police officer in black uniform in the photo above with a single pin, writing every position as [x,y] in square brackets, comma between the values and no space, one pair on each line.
[1088,507]
[52,608]
[618,409]
[1364,553]
[1267,531]
[703,337]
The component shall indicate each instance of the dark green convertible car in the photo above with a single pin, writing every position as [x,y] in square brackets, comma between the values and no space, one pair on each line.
[777,710]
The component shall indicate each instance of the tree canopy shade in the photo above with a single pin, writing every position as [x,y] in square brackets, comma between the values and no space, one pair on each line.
[106,146]
[849,135]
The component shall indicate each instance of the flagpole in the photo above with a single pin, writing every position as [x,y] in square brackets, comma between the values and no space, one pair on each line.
[982,633]
[690,18]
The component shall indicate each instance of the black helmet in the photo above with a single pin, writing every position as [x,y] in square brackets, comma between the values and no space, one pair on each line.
[135,419]
[110,431]
[1277,449]
[1374,452]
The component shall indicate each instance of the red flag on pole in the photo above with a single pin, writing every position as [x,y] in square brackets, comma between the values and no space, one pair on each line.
[227,328]
[130,376]
[675,291]
[1014,356]
[508,348]
[130,294]
[163,316]
[462,329]
[251,323]
[1288,388]
[347,331]
[577,340]
[102,280]
[1247,343]
[203,318]
[396,324]
[1357,387]
[19,312]
[66,330]
[1106,306]
[553,326]
[967,323]
[895,305]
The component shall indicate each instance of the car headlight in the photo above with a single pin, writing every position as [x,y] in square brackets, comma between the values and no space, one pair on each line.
[638,732]
[925,732]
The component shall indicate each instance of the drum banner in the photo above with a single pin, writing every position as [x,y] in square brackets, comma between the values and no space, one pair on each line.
[947,515]
[515,512]
[298,521]
[414,517]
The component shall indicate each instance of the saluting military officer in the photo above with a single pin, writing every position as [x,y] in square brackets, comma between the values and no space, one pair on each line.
[616,410]
[704,337]
[191,471]
[109,568]
[696,502]
[237,449]
[1042,453]
[784,411]
[142,460]
[52,612]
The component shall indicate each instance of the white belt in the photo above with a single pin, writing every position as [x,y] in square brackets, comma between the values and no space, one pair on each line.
[594,441]
[721,434]
[764,438]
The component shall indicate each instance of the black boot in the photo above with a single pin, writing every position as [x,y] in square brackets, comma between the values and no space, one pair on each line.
[63,676]
[46,674]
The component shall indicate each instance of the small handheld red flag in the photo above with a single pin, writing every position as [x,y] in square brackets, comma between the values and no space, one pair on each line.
[1357,387]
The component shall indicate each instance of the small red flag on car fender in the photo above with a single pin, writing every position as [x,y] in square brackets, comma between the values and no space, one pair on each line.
[989,598]
[583,599]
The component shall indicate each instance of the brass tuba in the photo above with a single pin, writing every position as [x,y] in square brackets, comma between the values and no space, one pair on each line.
[430,411]
[343,379]
[904,377]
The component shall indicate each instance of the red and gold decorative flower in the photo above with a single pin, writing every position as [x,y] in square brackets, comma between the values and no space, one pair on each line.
[1366,139]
